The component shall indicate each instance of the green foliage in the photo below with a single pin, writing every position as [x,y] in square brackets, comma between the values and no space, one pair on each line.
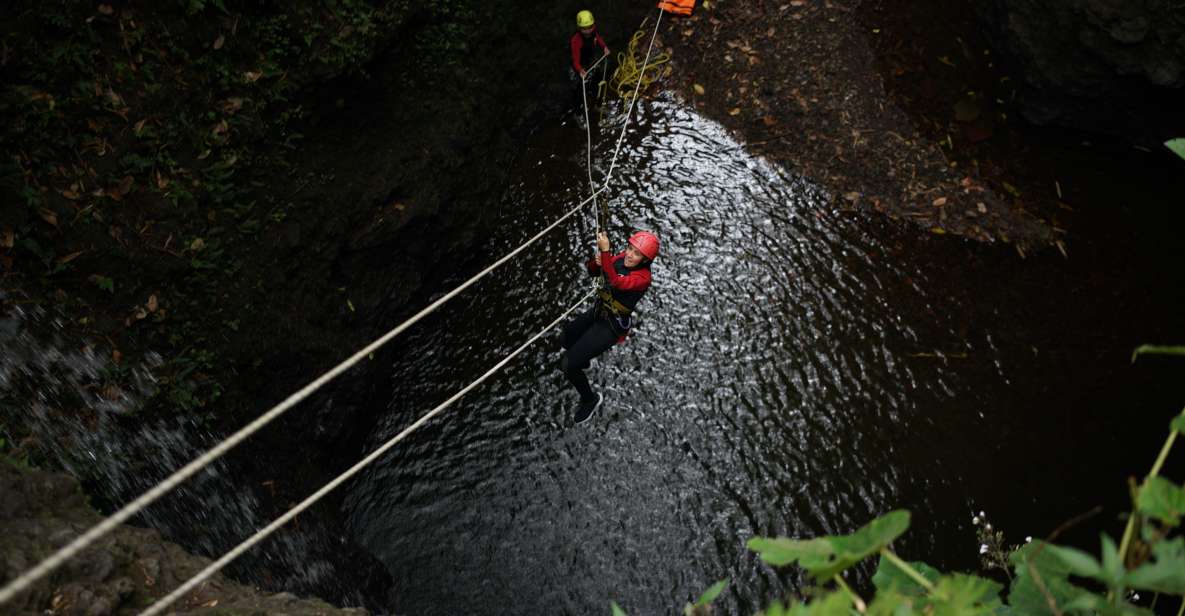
[702,605]
[1177,146]
[826,556]
[889,576]
[1162,499]
[1152,349]
[617,611]
[1045,578]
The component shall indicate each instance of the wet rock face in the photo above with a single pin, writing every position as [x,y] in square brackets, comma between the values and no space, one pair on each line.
[125,571]
[1112,66]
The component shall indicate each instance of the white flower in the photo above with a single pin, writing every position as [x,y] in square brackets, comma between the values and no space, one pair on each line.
[1028,539]
[983,548]
[975,520]
[987,526]
[982,514]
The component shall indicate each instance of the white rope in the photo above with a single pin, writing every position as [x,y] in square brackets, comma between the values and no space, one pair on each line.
[101,529]
[588,149]
[213,568]
[119,517]
[633,99]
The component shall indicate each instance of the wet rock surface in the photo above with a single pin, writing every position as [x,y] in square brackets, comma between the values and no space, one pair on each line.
[798,80]
[1112,66]
[121,574]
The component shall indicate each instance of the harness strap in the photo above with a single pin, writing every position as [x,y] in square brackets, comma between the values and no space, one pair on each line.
[611,304]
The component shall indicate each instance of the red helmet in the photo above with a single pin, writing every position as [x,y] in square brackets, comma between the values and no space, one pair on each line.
[646,243]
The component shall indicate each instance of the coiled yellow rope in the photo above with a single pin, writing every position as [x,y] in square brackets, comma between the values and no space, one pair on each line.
[630,70]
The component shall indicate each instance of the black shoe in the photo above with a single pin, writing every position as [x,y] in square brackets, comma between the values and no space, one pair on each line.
[587,408]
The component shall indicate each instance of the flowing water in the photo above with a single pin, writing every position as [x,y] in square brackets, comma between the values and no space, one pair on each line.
[797,372]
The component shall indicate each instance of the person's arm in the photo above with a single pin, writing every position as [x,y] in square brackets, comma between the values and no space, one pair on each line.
[636,280]
[593,266]
[576,44]
[601,42]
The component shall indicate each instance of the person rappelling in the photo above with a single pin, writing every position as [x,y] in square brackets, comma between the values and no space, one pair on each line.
[625,277]
[584,46]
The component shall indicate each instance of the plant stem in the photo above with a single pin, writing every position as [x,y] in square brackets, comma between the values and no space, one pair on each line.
[1182,610]
[1131,520]
[856,600]
[910,571]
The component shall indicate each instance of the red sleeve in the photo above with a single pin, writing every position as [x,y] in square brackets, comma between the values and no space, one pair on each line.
[601,41]
[593,266]
[637,280]
[576,43]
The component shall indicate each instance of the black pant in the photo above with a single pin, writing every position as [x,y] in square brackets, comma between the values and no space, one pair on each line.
[584,338]
[579,92]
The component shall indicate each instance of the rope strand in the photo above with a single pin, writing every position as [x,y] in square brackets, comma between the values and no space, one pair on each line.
[55,560]
[262,534]
[127,511]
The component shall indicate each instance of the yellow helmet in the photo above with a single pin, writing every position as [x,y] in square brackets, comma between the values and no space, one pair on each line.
[584,19]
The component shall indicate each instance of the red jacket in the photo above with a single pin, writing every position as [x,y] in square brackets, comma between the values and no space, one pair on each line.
[581,55]
[626,285]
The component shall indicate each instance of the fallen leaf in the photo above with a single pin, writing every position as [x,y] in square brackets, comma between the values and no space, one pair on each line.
[939,202]
[48,216]
[981,207]
[152,304]
[70,194]
[197,244]
[161,181]
[220,128]
[698,89]
[252,76]
[769,121]
[852,196]
[938,230]
[106,9]
[116,356]
[734,111]
[70,257]
[219,41]
[7,238]
[231,105]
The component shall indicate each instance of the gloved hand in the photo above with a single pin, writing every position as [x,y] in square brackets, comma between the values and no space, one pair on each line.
[593,266]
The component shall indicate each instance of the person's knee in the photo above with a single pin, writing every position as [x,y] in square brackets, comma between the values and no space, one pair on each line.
[570,365]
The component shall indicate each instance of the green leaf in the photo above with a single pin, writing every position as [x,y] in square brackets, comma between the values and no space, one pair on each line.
[1026,595]
[826,556]
[1162,499]
[889,576]
[1178,423]
[1099,606]
[892,603]
[1165,573]
[960,593]
[710,594]
[1153,349]
[1113,569]
[1177,146]
[617,611]
[781,551]
[1076,561]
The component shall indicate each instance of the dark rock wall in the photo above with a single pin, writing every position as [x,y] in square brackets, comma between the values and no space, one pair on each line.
[122,573]
[1110,66]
